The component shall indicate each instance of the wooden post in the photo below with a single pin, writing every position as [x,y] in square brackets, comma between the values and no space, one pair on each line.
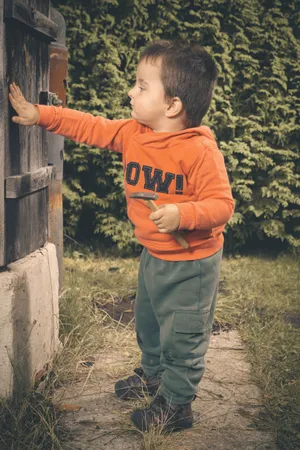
[57,83]
[2,141]
[28,33]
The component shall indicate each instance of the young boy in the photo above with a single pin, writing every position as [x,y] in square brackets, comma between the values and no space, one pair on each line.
[165,151]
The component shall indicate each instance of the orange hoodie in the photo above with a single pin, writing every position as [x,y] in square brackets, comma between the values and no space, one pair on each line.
[184,167]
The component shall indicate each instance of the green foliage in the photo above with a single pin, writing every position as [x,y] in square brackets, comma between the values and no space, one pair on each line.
[253,114]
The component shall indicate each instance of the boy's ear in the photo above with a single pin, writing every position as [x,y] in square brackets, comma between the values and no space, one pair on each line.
[174,108]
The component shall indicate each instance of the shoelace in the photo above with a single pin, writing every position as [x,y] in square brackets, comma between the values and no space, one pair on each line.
[139,371]
[158,404]
[134,379]
[161,412]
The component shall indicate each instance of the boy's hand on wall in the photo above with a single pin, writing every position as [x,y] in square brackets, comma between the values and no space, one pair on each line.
[167,218]
[28,113]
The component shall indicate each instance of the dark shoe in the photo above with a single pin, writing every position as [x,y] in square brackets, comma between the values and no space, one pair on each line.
[137,385]
[161,414]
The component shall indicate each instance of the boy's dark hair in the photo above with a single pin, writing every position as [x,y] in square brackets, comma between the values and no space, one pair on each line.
[187,72]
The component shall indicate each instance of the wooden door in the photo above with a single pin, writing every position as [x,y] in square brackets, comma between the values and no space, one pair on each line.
[27,31]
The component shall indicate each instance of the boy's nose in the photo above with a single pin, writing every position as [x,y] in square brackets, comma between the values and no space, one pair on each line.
[131,92]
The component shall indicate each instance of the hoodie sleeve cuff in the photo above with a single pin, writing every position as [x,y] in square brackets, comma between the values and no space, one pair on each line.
[187,216]
[47,115]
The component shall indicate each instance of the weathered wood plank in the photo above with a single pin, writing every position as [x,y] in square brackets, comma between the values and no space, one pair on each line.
[19,67]
[2,144]
[27,224]
[28,66]
[27,183]
[31,18]
[27,63]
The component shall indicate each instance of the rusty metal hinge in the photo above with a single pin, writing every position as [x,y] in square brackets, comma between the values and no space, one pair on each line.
[49,98]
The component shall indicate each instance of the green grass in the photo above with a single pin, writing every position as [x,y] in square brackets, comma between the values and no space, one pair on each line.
[262,298]
[89,283]
[29,422]
[258,295]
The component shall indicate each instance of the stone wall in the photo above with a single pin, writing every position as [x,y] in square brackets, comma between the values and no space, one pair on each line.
[29,291]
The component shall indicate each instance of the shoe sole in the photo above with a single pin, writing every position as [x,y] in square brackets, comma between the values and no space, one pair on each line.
[163,427]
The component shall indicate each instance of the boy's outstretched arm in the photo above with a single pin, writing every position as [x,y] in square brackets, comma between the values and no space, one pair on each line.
[75,125]
[28,114]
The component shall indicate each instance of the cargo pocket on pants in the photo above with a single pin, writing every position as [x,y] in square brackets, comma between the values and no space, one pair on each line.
[190,334]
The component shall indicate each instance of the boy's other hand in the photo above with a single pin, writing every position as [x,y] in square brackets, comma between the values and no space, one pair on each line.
[28,113]
[167,218]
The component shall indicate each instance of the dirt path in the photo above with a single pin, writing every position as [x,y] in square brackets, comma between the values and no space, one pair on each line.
[228,412]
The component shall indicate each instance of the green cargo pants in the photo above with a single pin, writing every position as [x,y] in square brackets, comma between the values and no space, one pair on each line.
[174,311]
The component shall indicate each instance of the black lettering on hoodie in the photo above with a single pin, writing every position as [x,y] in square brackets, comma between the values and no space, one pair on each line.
[155,182]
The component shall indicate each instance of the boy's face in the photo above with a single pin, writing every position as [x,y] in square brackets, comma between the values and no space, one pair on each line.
[148,97]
